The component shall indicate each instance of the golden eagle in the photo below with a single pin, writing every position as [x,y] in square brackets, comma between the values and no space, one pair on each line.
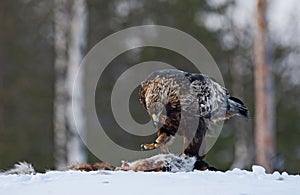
[185,103]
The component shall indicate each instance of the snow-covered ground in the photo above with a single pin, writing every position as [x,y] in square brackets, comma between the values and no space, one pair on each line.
[120,182]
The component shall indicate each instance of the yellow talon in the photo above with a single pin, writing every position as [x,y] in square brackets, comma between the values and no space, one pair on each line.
[148,146]
[151,146]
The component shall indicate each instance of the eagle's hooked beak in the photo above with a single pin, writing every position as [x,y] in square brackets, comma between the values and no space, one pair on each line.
[155,119]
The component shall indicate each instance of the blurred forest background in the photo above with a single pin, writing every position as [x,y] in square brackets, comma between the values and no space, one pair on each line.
[29,70]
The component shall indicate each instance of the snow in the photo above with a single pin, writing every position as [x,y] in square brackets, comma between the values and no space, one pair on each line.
[116,182]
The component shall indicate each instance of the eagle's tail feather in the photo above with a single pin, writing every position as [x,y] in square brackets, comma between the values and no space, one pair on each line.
[238,107]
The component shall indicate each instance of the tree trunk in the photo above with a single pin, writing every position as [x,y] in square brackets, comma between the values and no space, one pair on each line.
[69,42]
[75,147]
[61,26]
[264,93]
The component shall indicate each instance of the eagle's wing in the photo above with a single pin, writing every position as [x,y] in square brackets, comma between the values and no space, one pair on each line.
[195,97]
[203,96]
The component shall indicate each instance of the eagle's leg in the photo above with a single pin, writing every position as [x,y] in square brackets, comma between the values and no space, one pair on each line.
[160,142]
[194,144]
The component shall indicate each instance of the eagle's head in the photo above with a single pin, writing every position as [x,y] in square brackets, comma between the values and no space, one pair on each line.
[157,112]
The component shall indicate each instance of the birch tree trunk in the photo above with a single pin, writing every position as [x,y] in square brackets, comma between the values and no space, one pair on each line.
[61,26]
[264,93]
[70,19]
[75,147]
